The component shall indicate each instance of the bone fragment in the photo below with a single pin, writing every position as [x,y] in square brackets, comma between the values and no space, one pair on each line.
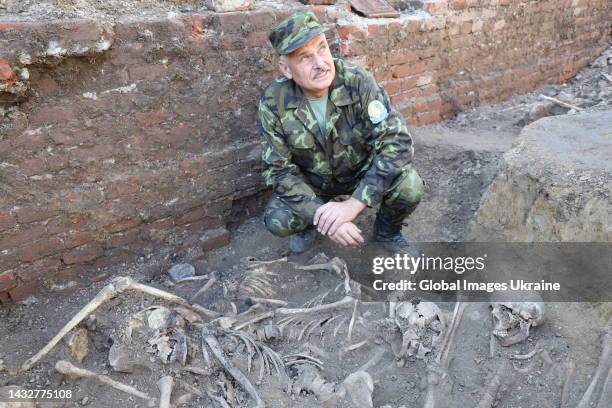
[165,386]
[117,286]
[606,391]
[569,374]
[204,288]
[70,370]
[232,370]
[345,302]
[182,400]
[602,369]
[274,302]
[491,390]
[79,344]
[355,346]
[256,319]
[352,322]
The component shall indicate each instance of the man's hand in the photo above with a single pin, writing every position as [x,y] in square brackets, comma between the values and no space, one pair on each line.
[329,217]
[347,234]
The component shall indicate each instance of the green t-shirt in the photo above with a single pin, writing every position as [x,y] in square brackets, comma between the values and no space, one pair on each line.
[319,107]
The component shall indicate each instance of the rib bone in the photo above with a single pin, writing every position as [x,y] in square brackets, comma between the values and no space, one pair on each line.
[216,349]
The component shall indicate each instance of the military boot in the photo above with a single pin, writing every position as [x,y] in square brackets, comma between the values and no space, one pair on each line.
[392,239]
[302,241]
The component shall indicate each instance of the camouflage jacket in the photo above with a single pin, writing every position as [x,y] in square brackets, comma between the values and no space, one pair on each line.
[366,147]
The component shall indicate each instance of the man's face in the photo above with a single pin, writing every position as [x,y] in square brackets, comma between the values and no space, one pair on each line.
[311,67]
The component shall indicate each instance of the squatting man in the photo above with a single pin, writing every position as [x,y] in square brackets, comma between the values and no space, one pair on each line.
[329,130]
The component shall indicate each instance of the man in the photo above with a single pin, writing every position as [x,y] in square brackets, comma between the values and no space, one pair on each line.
[329,130]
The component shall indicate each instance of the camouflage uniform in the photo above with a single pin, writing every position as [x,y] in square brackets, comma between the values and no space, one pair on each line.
[366,152]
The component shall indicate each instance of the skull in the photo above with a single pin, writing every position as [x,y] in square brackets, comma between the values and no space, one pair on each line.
[415,321]
[514,319]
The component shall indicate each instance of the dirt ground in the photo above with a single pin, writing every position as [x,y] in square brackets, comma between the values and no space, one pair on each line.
[458,160]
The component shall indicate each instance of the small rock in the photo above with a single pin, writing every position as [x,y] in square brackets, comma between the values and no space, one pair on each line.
[85,401]
[181,271]
[162,318]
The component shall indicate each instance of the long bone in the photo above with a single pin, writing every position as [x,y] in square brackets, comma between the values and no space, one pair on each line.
[70,370]
[602,369]
[212,342]
[437,372]
[165,385]
[335,265]
[491,390]
[117,286]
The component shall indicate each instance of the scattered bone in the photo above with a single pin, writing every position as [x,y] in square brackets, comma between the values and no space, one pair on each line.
[256,319]
[179,352]
[414,320]
[165,386]
[187,314]
[71,371]
[204,288]
[274,302]
[162,318]
[437,371]
[605,364]
[606,391]
[359,387]
[79,344]
[212,342]
[569,374]
[345,302]
[513,320]
[117,286]
[162,348]
[490,391]
[355,346]
[198,370]
[182,400]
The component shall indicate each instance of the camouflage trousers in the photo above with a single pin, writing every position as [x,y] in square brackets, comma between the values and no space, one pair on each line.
[398,203]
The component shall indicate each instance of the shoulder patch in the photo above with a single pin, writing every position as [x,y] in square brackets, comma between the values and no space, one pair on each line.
[377,112]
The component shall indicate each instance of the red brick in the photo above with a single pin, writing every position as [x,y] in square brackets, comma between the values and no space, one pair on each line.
[22,236]
[83,254]
[147,72]
[123,225]
[151,118]
[39,269]
[76,238]
[40,249]
[26,215]
[402,57]
[49,115]
[7,281]
[7,221]
[12,25]
[405,70]
[122,239]
[428,117]
[79,31]
[216,238]
[157,230]
[4,296]
[23,291]
[6,72]
[190,216]
[46,86]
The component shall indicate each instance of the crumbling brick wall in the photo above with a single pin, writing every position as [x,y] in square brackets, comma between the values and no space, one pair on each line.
[122,139]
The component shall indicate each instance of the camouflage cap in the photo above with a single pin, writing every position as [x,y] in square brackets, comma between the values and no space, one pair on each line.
[294,31]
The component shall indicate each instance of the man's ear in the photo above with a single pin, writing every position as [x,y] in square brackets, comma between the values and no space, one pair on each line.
[284,67]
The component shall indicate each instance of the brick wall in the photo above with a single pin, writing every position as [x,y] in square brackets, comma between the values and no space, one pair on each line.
[122,139]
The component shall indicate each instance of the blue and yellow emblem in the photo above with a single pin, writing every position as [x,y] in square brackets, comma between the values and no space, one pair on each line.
[377,112]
